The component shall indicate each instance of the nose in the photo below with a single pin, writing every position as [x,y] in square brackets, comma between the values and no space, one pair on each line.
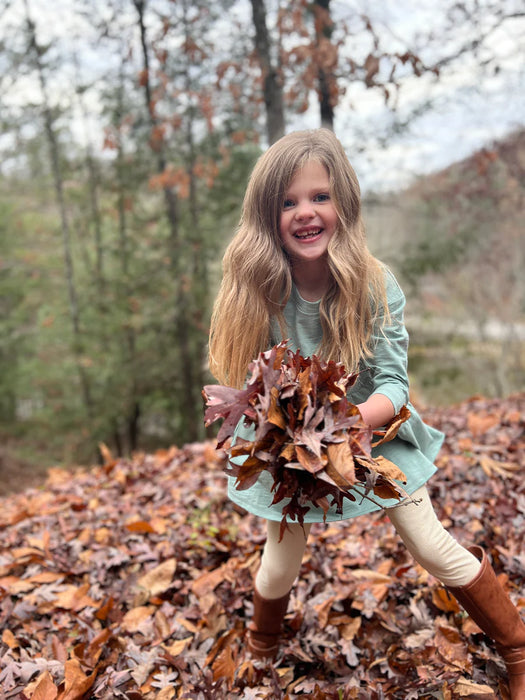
[304,211]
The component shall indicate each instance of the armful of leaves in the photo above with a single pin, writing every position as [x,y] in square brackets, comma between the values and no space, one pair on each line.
[308,436]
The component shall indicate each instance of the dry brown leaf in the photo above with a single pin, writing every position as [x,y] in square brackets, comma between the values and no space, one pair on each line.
[178,646]
[493,468]
[224,666]
[162,625]
[463,687]
[211,579]
[96,646]
[286,675]
[451,649]
[165,693]
[106,453]
[75,598]
[323,611]
[77,683]
[443,600]
[393,426]
[43,688]
[479,422]
[275,415]
[140,526]
[187,624]
[349,630]
[370,576]
[9,638]
[135,618]
[159,579]
[469,627]
[341,459]
[387,468]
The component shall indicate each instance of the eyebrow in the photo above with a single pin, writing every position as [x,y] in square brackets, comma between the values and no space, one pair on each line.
[324,188]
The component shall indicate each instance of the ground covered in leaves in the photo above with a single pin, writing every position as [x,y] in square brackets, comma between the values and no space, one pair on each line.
[133,580]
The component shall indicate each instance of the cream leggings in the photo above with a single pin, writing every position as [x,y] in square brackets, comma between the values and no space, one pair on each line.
[418,526]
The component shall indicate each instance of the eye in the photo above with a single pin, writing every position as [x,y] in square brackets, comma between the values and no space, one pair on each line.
[288,203]
[322,197]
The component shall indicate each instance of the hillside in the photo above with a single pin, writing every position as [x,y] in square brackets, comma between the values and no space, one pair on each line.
[455,240]
[132,579]
[392,217]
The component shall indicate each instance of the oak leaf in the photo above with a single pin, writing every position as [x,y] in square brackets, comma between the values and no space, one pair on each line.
[306,434]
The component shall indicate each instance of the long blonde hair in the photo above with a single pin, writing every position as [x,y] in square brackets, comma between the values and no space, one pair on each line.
[257,278]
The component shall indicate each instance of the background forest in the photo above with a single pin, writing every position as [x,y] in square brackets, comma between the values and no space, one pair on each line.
[128,131]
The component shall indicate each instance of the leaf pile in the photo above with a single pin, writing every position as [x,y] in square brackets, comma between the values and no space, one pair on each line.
[308,436]
[133,580]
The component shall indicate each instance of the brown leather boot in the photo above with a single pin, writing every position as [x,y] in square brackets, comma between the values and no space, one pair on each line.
[264,631]
[492,610]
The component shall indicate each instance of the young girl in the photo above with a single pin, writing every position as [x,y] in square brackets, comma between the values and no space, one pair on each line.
[299,269]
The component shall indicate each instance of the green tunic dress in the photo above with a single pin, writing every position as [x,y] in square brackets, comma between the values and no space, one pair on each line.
[416,445]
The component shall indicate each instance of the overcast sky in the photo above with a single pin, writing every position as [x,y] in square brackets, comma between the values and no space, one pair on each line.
[469,109]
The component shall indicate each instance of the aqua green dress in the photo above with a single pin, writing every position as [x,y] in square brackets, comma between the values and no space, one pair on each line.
[416,445]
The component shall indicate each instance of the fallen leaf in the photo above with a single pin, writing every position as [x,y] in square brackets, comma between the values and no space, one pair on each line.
[493,468]
[43,688]
[135,618]
[178,646]
[76,682]
[464,688]
[158,579]
[9,638]
[362,615]
[443,600]
[224,666]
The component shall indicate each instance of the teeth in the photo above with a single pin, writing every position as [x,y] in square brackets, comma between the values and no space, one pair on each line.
[309,234]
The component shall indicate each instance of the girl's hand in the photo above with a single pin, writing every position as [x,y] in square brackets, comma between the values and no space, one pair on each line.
[377,410]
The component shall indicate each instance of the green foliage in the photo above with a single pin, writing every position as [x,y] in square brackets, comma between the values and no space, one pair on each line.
[433,253]
[130,352]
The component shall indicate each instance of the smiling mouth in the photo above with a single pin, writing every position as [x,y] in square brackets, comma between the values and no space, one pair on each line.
[303,235]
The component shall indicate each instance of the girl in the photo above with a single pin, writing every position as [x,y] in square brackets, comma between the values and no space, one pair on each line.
[299,268]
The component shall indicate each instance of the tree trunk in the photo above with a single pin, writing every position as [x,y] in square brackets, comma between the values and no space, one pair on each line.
[187,405]
[66,234]
[170,197]
[93,179]
[192,294]
[191,352]
[133,412]
[326,109]
[133,427]
[272,84]
[323,32]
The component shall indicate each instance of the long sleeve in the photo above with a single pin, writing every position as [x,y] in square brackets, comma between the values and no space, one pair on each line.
[388,366]
[385,372]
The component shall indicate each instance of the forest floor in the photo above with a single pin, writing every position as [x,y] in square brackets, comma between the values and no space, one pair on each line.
[18,474]
[132,580]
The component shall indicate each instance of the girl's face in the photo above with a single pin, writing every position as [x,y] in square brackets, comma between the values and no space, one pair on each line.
[308,217]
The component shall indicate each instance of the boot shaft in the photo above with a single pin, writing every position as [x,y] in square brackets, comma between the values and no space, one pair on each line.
[264,630]
[492,610]
[489,605]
